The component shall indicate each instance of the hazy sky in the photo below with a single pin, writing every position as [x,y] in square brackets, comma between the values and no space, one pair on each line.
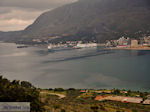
[18,14]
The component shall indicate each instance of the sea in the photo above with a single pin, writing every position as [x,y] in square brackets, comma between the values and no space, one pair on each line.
[87,68]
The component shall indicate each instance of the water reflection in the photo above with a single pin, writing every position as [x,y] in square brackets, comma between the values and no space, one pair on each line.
[139,52]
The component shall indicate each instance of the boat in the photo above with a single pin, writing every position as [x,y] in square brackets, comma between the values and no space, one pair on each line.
[23,46]
[86,45]
[58,47]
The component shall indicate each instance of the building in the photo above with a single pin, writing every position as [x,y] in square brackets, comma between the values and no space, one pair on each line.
[147,102]
[115,42]
[120,98]
[123,41]
[134,43]
[122,46]
[103,91]
[108,44]
[100,97]
[147,41]
[84,91]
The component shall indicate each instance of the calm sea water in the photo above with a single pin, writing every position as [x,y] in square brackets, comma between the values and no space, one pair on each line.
[81,68]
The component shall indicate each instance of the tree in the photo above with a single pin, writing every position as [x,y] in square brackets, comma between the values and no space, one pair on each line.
[16,92]
[71,89]
[116,92]
[59,89]
[15,82]
[94,108]
[63,110]
[26,84]
[144,95]
[50,89]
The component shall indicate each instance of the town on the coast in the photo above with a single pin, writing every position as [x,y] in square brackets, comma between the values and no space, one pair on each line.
[128,43]
[142,43]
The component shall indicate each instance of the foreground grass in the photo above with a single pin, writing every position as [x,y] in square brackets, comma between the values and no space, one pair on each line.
[69,100]
[77,102]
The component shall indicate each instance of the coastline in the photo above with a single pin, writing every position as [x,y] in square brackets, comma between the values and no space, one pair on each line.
[115,48]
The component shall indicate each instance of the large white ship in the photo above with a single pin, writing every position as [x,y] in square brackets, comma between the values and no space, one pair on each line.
[86,45]
[58,47]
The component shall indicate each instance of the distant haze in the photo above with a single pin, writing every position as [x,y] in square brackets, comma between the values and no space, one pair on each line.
[18,14]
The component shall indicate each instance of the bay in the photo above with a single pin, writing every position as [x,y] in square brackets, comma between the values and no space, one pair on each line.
[80,68]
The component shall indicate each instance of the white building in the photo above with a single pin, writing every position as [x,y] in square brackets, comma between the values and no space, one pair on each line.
[123,41]
[147,101]
[134,43]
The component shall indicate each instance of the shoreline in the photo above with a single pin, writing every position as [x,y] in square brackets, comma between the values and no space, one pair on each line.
[115,48]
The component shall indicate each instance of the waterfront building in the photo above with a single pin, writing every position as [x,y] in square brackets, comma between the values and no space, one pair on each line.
[147,40]
[141,41]
[147,101]
[115,42]
[122,46]
[123,41]
[134,43]
[108,44]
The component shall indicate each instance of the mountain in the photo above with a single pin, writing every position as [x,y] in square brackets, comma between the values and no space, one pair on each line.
[100,19]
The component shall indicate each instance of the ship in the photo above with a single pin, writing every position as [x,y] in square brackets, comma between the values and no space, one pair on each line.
[86,45]
[58,47]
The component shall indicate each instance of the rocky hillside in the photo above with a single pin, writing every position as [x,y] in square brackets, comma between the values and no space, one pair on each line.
[100,19]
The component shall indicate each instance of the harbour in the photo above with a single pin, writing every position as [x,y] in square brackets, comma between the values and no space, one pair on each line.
[78,68]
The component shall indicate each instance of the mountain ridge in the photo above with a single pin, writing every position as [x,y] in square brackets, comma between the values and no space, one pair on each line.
[101,19]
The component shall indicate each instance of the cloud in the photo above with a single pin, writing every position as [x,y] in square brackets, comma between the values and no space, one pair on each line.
[9,13]
[18,14]
[12,19]
[14,22]
[35,4]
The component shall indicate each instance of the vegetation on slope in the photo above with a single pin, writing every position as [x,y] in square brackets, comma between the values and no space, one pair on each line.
[20,91]
[73,100]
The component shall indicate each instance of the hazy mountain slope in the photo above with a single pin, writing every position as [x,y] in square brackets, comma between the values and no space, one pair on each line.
[103,19]
[98,17]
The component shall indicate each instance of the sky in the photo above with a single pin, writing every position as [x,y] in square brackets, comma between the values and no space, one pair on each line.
[18,14]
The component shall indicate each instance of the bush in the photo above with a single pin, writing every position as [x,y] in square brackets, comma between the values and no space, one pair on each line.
[20,92]
[59,89]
